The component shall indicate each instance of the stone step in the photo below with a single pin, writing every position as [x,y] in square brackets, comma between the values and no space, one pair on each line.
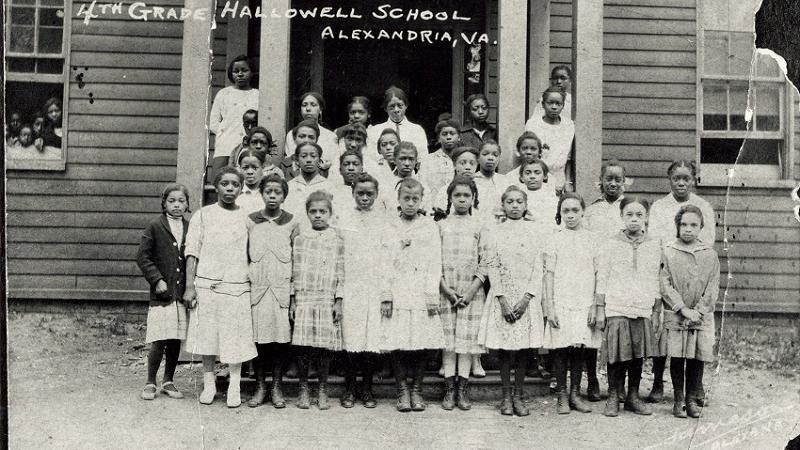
[481,389]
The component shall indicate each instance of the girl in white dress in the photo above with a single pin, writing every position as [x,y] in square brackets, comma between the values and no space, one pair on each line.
[512,321]
[570,273]
[395,102]
[410,303]
[556,135]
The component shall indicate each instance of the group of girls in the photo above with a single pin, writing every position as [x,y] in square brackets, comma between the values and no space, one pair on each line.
[37,137]
[386,258]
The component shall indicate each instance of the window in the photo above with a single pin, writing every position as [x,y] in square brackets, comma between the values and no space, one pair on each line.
[36,33]
[733,78]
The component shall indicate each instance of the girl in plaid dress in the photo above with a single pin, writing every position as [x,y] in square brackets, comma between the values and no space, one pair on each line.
[410,304]
[512,320]
[461,288]
[316,295]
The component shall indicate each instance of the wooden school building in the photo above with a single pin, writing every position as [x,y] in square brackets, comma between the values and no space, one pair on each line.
[654,81]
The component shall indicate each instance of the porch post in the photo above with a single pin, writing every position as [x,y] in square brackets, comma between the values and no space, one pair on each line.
[195,89]
[587,62]
[512,76]
[539,56]
[273,85]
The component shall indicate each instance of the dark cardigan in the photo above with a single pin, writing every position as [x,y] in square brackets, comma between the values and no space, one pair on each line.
[160,257]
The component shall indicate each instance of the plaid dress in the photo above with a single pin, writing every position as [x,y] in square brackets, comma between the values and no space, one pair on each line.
[463,260]
[317,279]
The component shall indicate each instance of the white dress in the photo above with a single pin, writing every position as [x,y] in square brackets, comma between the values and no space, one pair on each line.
[327,140]
[516,269]
[572,258]
[603,218]
[364,258]
[558,139]
[250,200]
[543,203]
[409,131]
[415,268]
[662,218]
[225,120]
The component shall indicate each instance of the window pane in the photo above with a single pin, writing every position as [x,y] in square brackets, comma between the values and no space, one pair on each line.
[52,2]
[715,108]
[715,53]
[49,65]
[22,16]
[748,151]
[24,2]
[742,48]
[51,17]
[50,40]
[767,67]
[768,113]
[719,151]
[21,39]
[23,65]
[738,95]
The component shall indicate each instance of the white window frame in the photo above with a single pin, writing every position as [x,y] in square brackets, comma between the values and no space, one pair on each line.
[63,79]
[751,175]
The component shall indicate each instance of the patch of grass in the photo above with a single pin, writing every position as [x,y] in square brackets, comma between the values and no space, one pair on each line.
[762,348]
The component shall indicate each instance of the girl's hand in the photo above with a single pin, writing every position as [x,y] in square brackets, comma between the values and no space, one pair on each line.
[505,308]
[292,308]
[161,287]
[190,297]
[691,315]
[467,298]
[552,319]
[324,165]
[386,309]
[451,296]
[337,310]
[600,322]
[655,317]
[39,143]
[521,307]
[433,310]
[591,320]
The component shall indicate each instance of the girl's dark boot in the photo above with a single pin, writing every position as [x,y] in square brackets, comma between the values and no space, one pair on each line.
[506,406]
[633,403]
[464,403]
[612,403]
[449,400]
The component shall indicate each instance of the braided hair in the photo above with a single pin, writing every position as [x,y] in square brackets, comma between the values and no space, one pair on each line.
[462,180]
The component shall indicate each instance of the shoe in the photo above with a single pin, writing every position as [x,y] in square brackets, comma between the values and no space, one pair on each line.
[506,406]
[322,397]
[170,389]
[519,405]
[477,367]
[612,404]
[368,399]
[449,400]
[403,397]
[259,395]
[149,391]
[234,396]
[635,404]
[348,399]
[303,397]
[417,403]
[562,403]
[593,391]
[576,403]
[291,372]
[657,393]
[463,401]
[693,410]
[276,396]
[677,405]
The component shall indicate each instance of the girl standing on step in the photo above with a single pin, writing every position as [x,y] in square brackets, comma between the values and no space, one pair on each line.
[689,286]
[161,260]
[628,301]
[556,134]
[512,320]
[410,302]
[270,232]
[570,273]
[461,287]
[217,284]
[316,295]
[682,175]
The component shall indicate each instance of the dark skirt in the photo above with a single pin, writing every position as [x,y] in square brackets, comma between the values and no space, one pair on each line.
[625,339]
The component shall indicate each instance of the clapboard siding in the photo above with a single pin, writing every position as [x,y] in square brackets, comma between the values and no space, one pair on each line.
[73,234]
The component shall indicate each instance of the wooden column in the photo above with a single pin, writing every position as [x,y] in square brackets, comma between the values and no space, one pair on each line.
[539,50]
[587,62]
[457,92]
[274,71]
[195,89]
[512,76]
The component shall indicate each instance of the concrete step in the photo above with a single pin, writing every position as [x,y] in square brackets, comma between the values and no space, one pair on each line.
[481,389]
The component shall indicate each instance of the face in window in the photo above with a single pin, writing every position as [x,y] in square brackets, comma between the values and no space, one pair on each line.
[38,124]
[396,109]
[25,135]
[310,108]
[448,138]
[553,103]
[305,135]
[561,79]
[681,182]
[14,121]
[532,176]
[350,168]
[242,74]
[54,113]
[530,151]
[478,110]
[634,215]
[466,164]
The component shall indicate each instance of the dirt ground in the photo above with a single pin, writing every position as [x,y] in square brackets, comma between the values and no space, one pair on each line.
[75,383]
